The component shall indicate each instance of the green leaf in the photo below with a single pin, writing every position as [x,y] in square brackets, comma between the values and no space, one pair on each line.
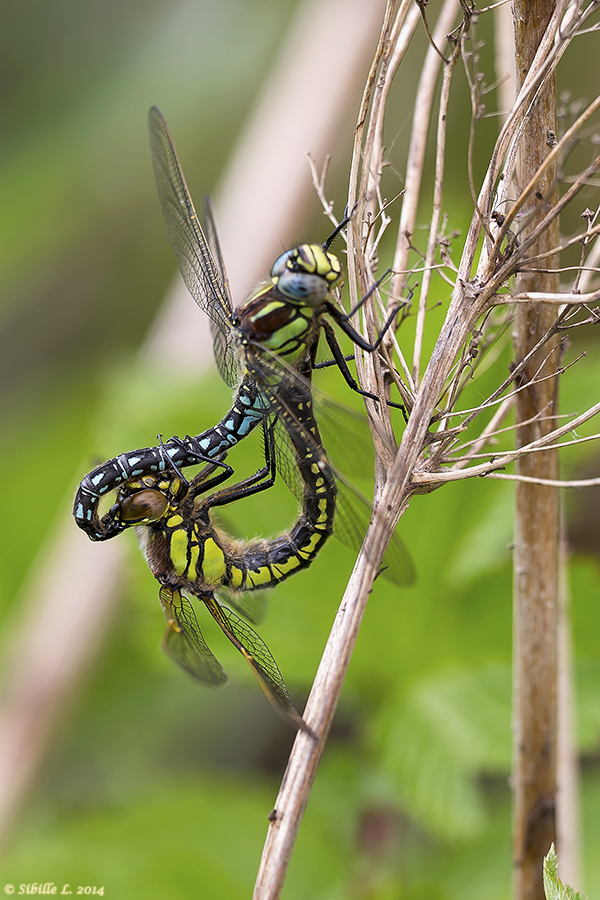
[553,886]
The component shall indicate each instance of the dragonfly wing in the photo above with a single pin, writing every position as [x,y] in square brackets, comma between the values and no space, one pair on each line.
[253,605]
[285,461]
[260,659]
[223,342]
[203,275]
[352,513]
[352,517]
[212,236]
[184,643]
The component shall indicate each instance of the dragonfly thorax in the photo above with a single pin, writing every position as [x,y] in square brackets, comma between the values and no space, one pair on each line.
[284,328]
[306,274]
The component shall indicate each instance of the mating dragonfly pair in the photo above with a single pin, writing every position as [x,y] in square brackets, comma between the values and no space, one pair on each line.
[266,349]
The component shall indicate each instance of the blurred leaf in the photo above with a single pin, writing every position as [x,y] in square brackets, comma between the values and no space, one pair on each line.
[452,727]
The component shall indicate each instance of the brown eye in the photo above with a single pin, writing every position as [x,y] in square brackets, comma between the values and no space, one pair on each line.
[145,506]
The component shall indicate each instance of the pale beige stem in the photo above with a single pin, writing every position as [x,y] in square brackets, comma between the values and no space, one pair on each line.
[440,157]
[504,56]
[418,143]
[568,815]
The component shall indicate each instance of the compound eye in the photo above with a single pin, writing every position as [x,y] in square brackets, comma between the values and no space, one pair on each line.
[145,506]
[280,264]
[303,288]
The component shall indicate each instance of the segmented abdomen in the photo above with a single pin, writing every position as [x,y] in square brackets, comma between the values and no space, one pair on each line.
[246,413]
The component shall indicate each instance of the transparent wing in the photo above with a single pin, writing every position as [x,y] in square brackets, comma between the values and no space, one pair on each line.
[212,236]
[253,605]
[183,641]
[352,514]
[225,351]
[349,447]
[259,658]
[202,273]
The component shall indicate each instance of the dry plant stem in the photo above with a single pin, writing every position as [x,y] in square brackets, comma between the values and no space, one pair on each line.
[359,176]
[556,299]
[400,37]
[548,441]
[592,261]
[549,162]
[306,753]
[537,507]
[322,702]
[504,56]
[568,818]
[508,141]
[576,239]
[440,156]
[490,429]
[418,143]
[577,484]
[369,366]
[423,104]
[554,209]
[359,132]
[543,63]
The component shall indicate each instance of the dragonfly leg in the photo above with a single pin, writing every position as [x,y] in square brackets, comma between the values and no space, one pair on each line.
[168,461]
[347,216]
[341,361]
[201,483]
[263,479]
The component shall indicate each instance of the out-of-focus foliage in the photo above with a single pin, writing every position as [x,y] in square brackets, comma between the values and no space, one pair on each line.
[156,788]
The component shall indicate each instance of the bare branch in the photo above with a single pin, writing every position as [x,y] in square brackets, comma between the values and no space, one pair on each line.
[549,482]
[546,442]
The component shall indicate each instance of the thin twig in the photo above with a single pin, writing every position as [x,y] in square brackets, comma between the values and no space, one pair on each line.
[440,155]
[549,482]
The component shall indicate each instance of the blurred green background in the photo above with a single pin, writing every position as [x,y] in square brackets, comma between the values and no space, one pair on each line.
[154,787]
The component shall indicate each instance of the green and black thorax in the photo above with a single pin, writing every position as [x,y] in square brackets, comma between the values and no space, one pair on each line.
[285,314]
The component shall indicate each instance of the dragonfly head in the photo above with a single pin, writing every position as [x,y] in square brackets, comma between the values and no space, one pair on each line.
[148,499]
[143,507]
[306,274]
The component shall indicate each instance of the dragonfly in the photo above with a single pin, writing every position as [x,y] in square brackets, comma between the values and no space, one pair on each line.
[283,319]
[290,439]
[187,552]
[190,555]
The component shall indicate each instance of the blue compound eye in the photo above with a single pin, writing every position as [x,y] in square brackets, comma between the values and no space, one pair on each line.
[280,264]
[295,285]
[309,289]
